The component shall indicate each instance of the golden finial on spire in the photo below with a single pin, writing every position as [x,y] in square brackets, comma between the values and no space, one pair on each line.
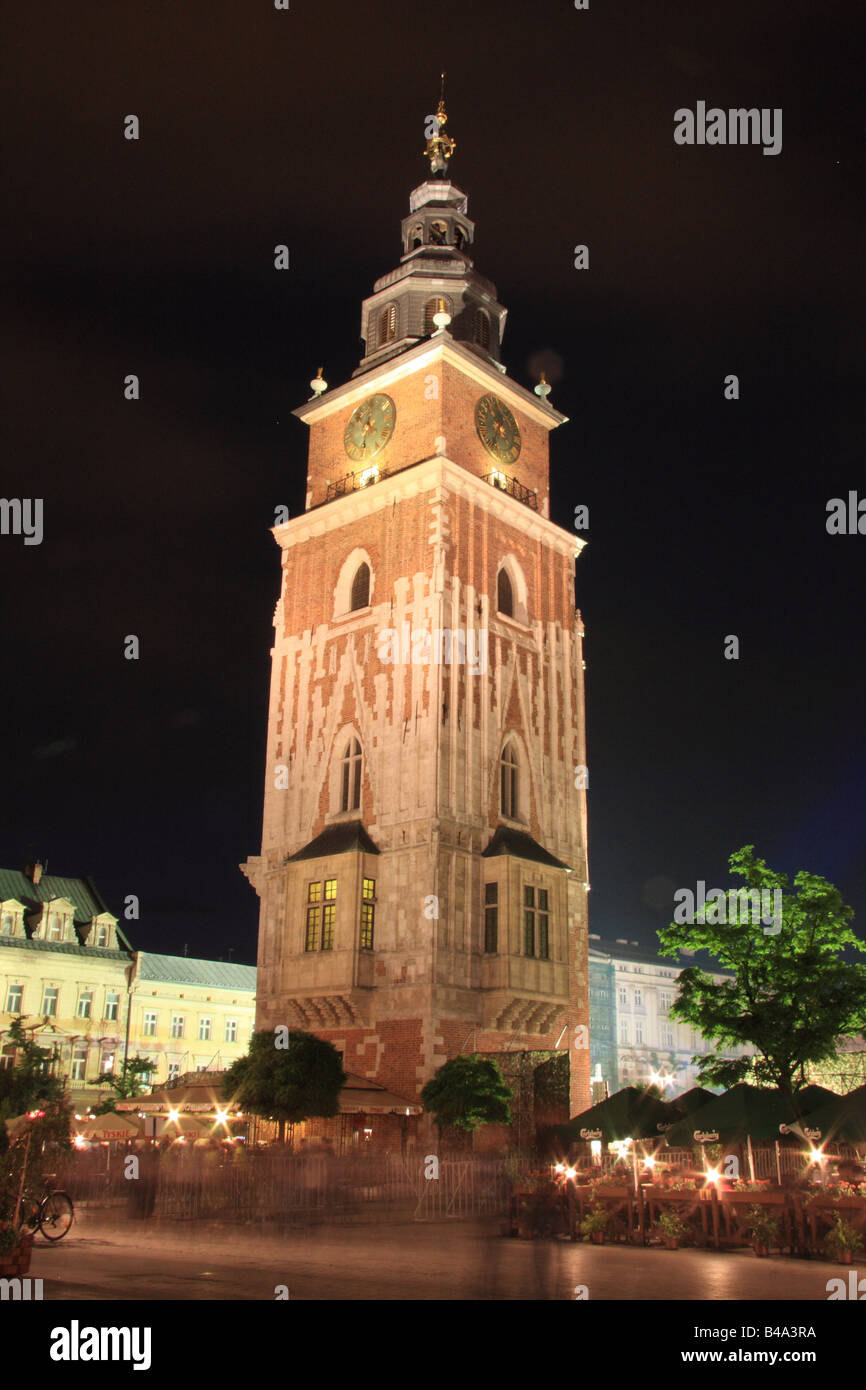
[440,147]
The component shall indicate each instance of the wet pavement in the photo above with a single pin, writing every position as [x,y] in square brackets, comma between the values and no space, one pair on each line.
[107,1257]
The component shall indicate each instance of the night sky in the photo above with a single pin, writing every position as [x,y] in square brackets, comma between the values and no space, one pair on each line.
[707,516]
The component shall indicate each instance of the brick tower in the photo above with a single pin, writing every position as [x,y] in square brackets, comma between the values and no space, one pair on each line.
[423,871]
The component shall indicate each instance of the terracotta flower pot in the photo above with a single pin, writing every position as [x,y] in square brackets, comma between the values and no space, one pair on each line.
[17,1262]
[762,1251]
[597,1237]
[844,1257]
[672,1242]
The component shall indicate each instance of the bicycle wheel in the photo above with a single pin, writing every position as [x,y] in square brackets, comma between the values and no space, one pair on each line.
[56,1215]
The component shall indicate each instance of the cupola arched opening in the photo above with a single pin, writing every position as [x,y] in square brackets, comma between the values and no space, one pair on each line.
[435,306]
[360,596]
[481,328]
[388,324]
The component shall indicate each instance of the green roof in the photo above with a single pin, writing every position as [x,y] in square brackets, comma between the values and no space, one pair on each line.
[188,970]
[522,846]
[81,892]
[343,838]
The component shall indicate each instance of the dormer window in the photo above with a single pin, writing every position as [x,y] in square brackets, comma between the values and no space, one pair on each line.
[481,328]
[7,924]
[360,588]
[101,936]
[388,324]
[440,305]
[55,927]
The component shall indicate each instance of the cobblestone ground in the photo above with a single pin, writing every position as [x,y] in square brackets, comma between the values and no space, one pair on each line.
[116,1259]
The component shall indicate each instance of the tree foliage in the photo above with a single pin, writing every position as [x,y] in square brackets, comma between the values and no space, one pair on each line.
[467,1092]
[792,995]
[286,1084]
[28,1085]
[126,1084]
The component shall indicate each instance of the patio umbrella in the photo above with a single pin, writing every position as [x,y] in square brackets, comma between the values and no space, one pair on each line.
[630,1114]
[112,1127]
[692,1100]
[743,1112]
[840,1120]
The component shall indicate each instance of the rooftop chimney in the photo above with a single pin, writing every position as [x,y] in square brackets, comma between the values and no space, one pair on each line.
[34,871]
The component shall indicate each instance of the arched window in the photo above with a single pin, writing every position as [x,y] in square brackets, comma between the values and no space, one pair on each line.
[504,594]
[360,588]
[481,328]
[350,786]
[388,324]
[434,306]
[416,238]
[459,236]
[438,233]
[508,782]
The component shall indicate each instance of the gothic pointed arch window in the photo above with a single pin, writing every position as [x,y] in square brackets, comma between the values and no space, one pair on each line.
[481,328]
[509,782]
[388,324]
[434,306]
[350,776]
[504,594]
[360,588]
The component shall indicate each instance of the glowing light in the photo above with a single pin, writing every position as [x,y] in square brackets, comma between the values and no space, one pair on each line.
[369,475]
[816,1156]
[650,1162]
[571,1172]
[221,1116]
[80,1141]
[712,1175]
[173,1116]
[559,1168]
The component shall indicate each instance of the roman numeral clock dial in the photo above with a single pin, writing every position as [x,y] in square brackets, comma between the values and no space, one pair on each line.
[369,429]
[497,429]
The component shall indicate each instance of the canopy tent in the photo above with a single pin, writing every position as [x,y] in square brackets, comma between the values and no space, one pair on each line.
[629,1114]
[839,1120]
[111,1126]
[692,1100]
[754,1112]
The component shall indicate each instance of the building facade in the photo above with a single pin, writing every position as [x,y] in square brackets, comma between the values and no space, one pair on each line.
[632,1035]
[423,869]
[70,974]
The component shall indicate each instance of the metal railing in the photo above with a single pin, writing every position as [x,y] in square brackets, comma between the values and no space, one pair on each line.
[515,489]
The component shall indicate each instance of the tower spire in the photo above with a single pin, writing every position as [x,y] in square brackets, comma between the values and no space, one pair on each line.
[440,147]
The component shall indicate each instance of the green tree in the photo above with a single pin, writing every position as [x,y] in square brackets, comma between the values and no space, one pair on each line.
[28,1085]
[286,1084]
[467,1092]
[792,995]
[126,1084]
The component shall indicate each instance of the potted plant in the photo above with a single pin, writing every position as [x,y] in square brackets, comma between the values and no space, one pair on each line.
[763,1228]
[842,1240]
[594,1224]
[671,1227]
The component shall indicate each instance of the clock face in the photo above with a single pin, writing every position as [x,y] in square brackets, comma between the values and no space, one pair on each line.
[370,428]
[497,429]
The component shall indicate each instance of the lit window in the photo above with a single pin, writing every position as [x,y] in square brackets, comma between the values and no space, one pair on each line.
[638,1032]
[231,1030]
[350,792]
[204,1027]
[177,1025]
[314,916]
[55,930]
[149,1028]
[112,1004]
[508,781]
[79,1062]
[13,999]
[368,913]
[49,1002]
[504,594]
[85,1003]
[329,914]
[173,1070]
[107,1063]
[102,936]
[369,475]
[360,586]
[491,918]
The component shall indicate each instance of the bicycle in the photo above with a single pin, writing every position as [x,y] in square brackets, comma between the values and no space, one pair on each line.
[53,1213]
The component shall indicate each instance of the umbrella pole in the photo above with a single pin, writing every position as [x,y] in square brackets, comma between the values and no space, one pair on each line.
[751,1158]
[778,1164]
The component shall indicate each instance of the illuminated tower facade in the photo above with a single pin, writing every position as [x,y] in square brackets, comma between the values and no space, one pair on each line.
[423,871]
